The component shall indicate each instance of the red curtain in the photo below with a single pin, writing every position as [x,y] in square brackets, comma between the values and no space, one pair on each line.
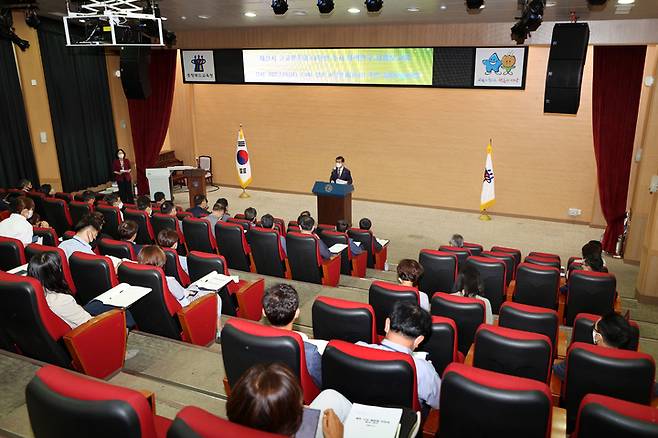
[616,91]
[149,118]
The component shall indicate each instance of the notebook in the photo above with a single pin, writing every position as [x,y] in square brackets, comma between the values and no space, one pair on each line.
[215,281]
[20,270]
[366,421]
[337,248]
[123,295]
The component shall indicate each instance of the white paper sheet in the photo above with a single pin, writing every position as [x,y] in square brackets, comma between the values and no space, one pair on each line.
[123,295]
[337,248]
[383,242]
[20,270]
[372,422]
[215,281]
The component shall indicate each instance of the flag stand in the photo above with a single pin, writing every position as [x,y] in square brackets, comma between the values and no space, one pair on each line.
[244,194]
[484,216]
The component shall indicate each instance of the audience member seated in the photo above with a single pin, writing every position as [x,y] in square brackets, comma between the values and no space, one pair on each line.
[17,225]
[457,240]
[4,201]
[86,232]
[154,256]
[267,221]
[307,226]
[342,226]
[169,208]
[144,204]
[89,197]
[469,284]
[46,189]
[169,239]
[217,214]
[47,269]
[612,331]
[591,261]
[128,233]
[281,308]
[113,200]
[406,328]
[250,214]
[25,185]
[303,213]
[224,202]
[365,224]
[409,272]
[200,208]
[159,198]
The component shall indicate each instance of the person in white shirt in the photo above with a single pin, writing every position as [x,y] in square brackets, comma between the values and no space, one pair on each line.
[409,272]
[468,284]
[16,226]
[87,230]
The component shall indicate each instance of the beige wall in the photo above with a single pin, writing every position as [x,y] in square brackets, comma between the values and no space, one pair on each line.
[120,111]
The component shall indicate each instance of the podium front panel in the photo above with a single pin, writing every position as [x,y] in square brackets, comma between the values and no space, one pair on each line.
[332,208]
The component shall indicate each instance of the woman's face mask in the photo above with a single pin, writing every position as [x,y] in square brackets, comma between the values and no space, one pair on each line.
[30,213]
[121,156]
[339,165]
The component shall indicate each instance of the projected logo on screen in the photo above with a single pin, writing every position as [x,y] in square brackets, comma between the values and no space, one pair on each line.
[243,157]
[198,65]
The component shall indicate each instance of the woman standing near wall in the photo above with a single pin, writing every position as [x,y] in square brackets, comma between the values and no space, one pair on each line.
[121,168]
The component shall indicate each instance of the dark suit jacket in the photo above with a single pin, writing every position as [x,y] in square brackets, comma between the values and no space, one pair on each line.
[198,212]
[346,175]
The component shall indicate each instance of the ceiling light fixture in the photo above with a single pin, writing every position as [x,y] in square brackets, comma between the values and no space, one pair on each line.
[204,17]
[444,7]
[354,10]
[183,17]
[325,6]
[279,7]
[625,2]
[299,13]
[413,9]
[250,14]
[374,5]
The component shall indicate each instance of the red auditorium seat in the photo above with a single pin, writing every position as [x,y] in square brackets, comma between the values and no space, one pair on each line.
[57,214]
[95,348]
[38,199]
[468,314]
[117,248]
[246,343]
[198,235]
[537,285]
[441,345]
[440,271]
[232,244]
[64,196]
[180,215]
[476,402]
[531,319]
[345,320]
[193,422]
[475,248]
[354,265]
[515,252]
[112,216]
[145,234]
[32,249]
[78,210]
[583,324]
[376,259]
[306,264]
[160,314]
[173,267]
[546,255]
[382,296]
[359,373]
[543,261]
[590,292]
[161,222]
[493,273]
[92,275]
[48,235]
[268,254]
[12,253]
[627,375]
[509,259]
[461,253]
[514,352]
[600,416]
[61,403]
[4,214]
[246,225]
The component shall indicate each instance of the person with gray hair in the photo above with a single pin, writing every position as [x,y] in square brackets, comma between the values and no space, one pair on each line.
[457,240]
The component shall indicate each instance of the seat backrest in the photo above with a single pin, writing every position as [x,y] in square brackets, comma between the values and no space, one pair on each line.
[117,248]
[468,314]
[246,343]
[156,312]
[345,320]
[546,255]
[367,242]
[29,323]
[440,271]
[232,244]
[357,372]
[623,374]
[57,214]
[583,324]
[493,274]
[515,252]
[267,252]
[12,253]
[65,196]
[198,235]
[200,264]
[112,216]
[48,235]
[246,224]
[505,405]
[514,352]
[304,257]
[331,238]
[61,403]
[600,416]
[32,249]
[475,248]
[509,259]
[173,268]
[161,222]
[78,210]
[441,345]
[543,261]
[92,274]
[461,253]
[537,285]
[590,292]
[38,198]
[382,296]
[193,422]
[145,235]
[531,319]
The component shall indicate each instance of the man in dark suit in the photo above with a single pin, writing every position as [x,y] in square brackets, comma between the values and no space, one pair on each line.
[341,172]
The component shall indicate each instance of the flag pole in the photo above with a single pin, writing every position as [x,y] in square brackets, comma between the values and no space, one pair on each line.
[484,216]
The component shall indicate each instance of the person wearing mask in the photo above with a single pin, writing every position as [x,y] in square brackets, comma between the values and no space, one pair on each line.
[217,214]
[470,285]
[409,272]
[340,174]
[200,208]
[121,169]
[17,225]
[457,241]
[154,256]
[307,226]
[406,328]
[342,226]
[127,232]
[281,308]
[267,221]
[365,224]
[144,204]
[169,239]
[86,233]
[114,201]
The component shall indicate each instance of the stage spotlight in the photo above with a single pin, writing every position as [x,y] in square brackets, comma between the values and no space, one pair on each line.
[279,7]
[169,38]
[7,30]
[530,20]
[325,6]
[474,4]
[374,5]
[31,17]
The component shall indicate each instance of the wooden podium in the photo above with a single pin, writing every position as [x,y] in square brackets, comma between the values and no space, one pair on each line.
[196,183]
[334,202]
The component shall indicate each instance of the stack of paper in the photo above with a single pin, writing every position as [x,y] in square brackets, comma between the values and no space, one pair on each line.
[382,242]
[123,295]
[215,281]
[20,270]
[337,248]
[366,421]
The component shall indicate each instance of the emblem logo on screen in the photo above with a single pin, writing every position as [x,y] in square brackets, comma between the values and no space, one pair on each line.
[198,62]
[198,65]
[328,188]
